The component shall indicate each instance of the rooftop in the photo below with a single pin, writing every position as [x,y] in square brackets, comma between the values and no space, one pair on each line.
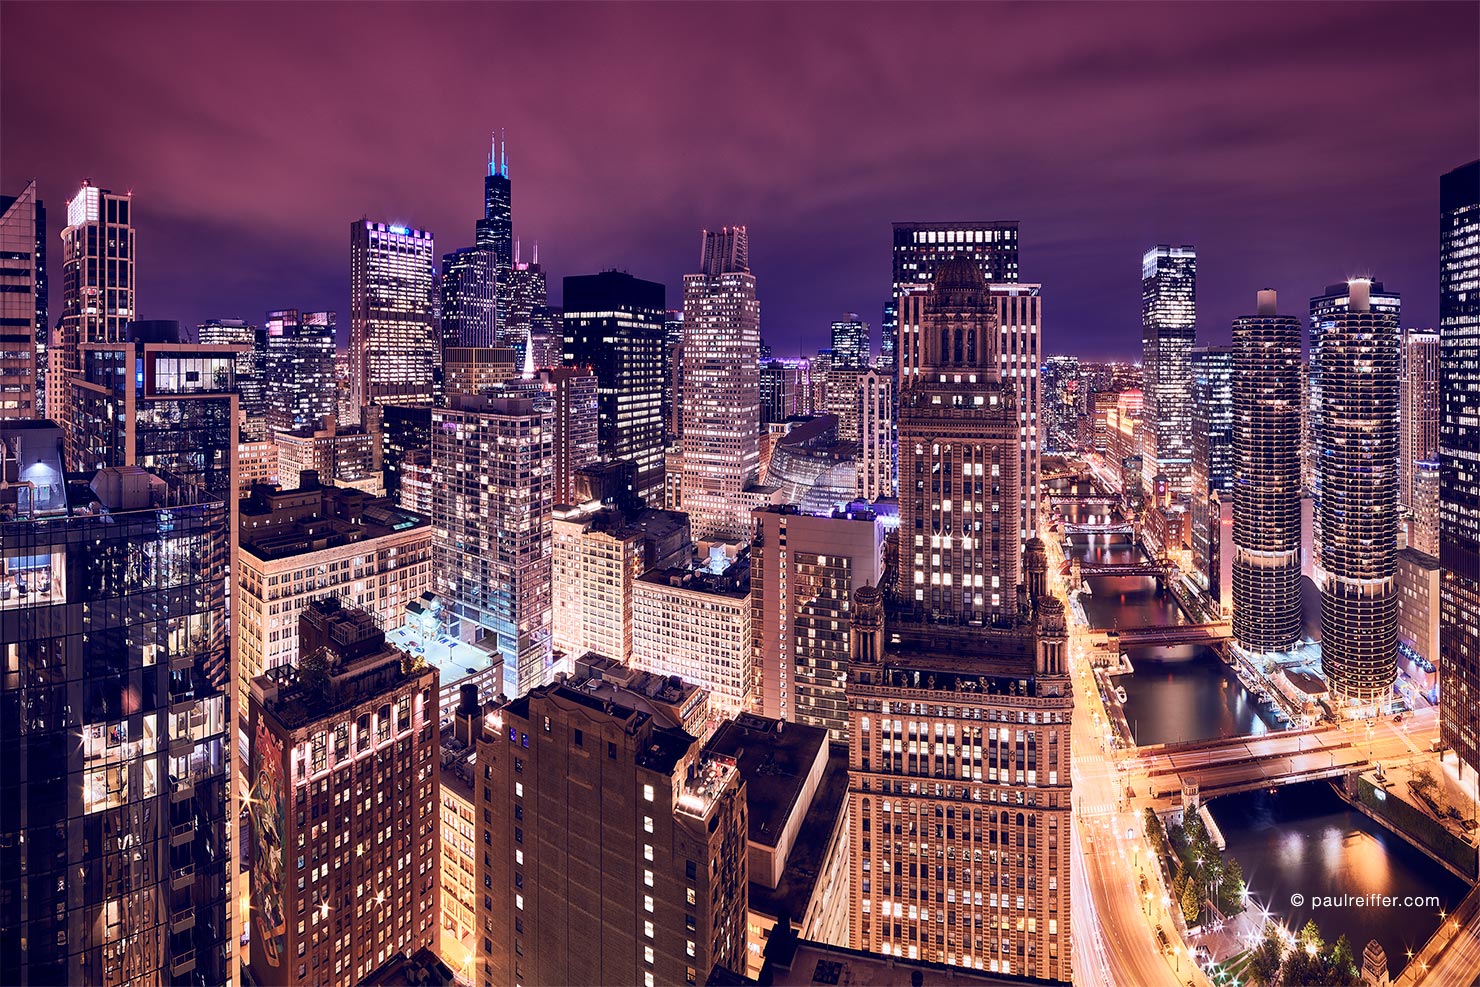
[794,962]
[774,758]
[453,659]
[664,696]
[960,657]
[804,863]
[458,763]
[1421,559]
[276,523]
[733,582]
[711,778]
[344,661]
[422,968]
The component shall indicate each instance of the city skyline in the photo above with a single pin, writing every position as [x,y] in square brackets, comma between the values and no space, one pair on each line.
[1165,175]
[866,597]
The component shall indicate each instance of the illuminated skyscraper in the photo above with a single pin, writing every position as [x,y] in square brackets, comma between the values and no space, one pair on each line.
[850,341]
[781,385]
[154,400]
[962,642]
[522,292]
[22,304]
[1062,404]
[251,344]
[959,462]
[721,386]
[1359,350]
[1418,416]
[1212,446]
[614,324]
[116,803]
[919,247]
[1266,474]
[491,510]
[1212,418]
[1019,311]
[1168,333]
[672,373]
[468,289]
[298,368]
[844,384]
[393,346]
[876,435]
[1324,310]
[495,231]
[97,290]
[572,396]
[1459,459]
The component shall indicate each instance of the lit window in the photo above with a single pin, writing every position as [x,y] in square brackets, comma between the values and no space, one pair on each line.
[647,824]
[647,954]
[647,792]
[647,929]
[647,878]
[647,903]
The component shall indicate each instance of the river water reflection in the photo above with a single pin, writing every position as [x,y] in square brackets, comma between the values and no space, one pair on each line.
[1175,694]
[1299,839]
[1305,840]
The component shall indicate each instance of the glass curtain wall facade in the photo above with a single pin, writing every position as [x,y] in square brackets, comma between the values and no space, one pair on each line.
[116,806]
[1459,460]
[721,387]
[393,346]
[614,324]
[1168,334]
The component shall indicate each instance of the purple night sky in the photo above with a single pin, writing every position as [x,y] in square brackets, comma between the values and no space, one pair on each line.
[1294,145]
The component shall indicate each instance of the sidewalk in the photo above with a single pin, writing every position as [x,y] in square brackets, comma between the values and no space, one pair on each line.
[1239,933]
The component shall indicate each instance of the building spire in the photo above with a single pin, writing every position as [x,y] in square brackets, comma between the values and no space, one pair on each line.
[516,251]
[536,253]
[498,154]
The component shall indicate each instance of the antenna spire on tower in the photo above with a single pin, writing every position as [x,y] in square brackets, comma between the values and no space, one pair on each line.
[503,154]
[493,154]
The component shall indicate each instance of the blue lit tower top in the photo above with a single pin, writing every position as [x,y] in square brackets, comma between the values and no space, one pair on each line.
[496,229]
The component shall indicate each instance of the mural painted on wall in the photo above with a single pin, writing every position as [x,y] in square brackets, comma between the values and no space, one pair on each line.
[269,915]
